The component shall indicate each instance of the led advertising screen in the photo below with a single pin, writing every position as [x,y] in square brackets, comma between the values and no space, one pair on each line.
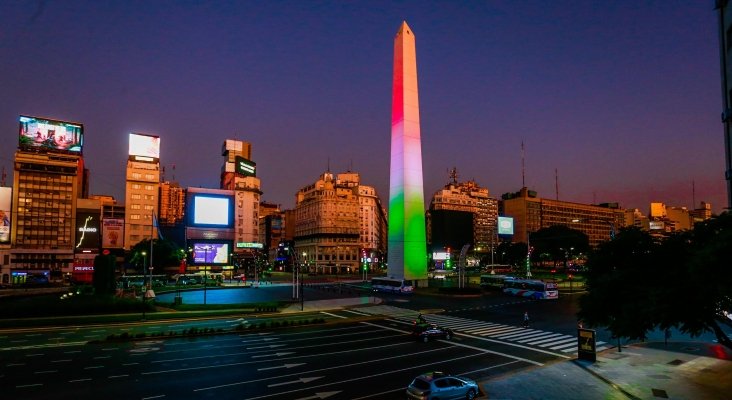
[244,166]
[6,195]
[50,135]
[210,210]
[440,256]
[87,231]
[211,252]
[505,225]
[113,231]
[146,146]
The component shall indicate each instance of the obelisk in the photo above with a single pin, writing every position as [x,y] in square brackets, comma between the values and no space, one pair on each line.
[407,241]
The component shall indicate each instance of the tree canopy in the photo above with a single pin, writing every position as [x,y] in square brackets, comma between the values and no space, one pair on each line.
[636,283]
[556,242]
[165,253]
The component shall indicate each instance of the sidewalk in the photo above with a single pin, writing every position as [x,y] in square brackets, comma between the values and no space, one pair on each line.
[648,371]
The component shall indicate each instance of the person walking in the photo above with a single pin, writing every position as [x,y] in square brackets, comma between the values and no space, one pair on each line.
[526,319]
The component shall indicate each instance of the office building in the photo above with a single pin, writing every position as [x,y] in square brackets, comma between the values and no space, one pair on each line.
[531,213]
[142,189]
[239,174]
[724,12]
[49,178]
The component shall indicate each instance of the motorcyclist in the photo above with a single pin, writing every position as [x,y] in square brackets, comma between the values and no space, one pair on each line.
[420,324]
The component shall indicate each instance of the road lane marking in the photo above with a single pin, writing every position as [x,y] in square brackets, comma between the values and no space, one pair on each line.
[128,364]
[14,364]
[79,380]
[28,385]
[357,313]
[117,376]
[300,380]
[94,367]
[34,355]
[333,315]
[51,371]
[58,361]
[153,397]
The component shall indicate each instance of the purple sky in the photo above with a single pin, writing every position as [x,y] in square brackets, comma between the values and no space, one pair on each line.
[621,97]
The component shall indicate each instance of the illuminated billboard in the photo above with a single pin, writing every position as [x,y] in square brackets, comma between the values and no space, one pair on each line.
[145,146]
[113,231]
[245,167]
[6,195]
[211,252]
[49,134]
[440,256]
[87,231]
[505,225]
[211,210]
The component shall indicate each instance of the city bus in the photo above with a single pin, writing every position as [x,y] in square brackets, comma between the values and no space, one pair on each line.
[493,282]
[391,285]
[531,288]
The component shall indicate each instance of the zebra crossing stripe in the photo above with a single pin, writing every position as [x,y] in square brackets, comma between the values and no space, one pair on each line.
[522,335]
[548,341]
[484,326]
[542,339]
[498,331]
[570,341]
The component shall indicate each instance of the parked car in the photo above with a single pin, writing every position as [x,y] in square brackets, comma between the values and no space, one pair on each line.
[439,385]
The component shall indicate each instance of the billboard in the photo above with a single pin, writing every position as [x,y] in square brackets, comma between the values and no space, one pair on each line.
[505,225]
[48,134]
[87,231]
[6,195]
[245,167]
[211,252]
[113,231]
[440,256]
[146,146]
[211,210]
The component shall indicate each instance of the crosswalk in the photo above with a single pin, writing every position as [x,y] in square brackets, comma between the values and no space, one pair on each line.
[531,337]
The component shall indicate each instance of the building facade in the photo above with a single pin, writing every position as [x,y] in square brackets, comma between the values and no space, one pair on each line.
[142,189]
[471,198]
[532,213]
[724,12]
[238,174]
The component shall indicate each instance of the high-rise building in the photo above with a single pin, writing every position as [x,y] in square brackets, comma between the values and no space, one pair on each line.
[172,204]
[48,181]
[407,257]
[702,213]
[531,213]
[239,173]
[142,189]
[327,226]
[471,198]
[725,55]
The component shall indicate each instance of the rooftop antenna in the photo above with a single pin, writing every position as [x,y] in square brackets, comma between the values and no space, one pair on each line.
[523,170]
[173,172]
[453,176]
[328,166]
[4,176]
[693,191]
[162,176]
[556,182]
[350,167]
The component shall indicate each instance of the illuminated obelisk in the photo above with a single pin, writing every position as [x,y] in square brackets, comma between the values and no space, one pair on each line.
[407,247]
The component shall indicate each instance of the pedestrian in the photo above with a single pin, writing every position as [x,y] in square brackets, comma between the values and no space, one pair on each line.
[526,319]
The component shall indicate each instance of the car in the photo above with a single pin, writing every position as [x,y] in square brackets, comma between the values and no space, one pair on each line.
[425,332]
[439,385]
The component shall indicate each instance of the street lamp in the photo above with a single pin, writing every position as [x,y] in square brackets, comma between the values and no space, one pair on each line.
[302,282]
[144,285]
[205,272]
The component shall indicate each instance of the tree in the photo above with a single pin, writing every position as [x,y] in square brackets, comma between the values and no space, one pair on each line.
[636,284]
[511,253]
[103,279]
[165,254]
[556,241]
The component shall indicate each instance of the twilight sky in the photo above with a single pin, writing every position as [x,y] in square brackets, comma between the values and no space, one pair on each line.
[622,98]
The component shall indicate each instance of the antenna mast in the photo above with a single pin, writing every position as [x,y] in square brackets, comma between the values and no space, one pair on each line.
[556,183]
[523,169]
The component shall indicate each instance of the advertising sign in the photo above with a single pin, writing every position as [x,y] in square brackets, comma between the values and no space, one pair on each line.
[249,245]
[50,135]
[113,230]
[87,231]
[6,195]
[586,349]
[210,253]
[144,145]
[212,210]
[656,225]
[505,225]
[245,167]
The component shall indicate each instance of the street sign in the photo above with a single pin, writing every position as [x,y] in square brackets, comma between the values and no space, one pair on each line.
[586,349]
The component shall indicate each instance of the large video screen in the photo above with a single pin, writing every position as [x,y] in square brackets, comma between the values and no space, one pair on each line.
[6,195]
[210,210]
[245,167]
[211,252]
[50,134]
[505,225]
[87,231]
[144,145]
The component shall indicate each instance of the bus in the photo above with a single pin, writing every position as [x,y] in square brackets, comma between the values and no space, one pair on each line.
[493,282]
[391,285]
[531,288]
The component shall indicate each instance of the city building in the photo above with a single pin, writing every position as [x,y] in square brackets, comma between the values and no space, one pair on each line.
[210,230]
[471,198]
[702,213]
[172,204]
[48,180]
[635,217]
[327,225]
[531,213]
[239,174]
[87,244]
[142,189]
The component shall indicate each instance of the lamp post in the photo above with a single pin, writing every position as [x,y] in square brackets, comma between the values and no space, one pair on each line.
[144,286]
[205,272]
[302,281]
[528,253]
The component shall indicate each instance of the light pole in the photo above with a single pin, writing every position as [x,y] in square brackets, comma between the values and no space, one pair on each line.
[528,253]
[302,281]
[144,285]
[205,272]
